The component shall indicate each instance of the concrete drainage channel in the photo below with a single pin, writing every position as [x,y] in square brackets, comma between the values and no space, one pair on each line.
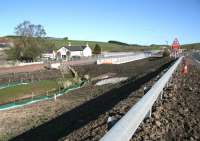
[122,59]
[28,101]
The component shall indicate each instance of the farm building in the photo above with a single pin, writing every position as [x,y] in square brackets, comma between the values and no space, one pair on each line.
[5,42]
[49,54]
[70,51]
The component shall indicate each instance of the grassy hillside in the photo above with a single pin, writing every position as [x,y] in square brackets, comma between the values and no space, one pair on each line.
[106,46]
[191,46]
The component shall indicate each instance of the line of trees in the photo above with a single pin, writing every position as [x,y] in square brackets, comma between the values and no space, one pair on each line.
[118,43]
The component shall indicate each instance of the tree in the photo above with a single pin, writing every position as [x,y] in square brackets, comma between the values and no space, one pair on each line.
[118,43]
[65,40]
[26,29]
[97,49]
[49,45]
[29,43]
[166,52]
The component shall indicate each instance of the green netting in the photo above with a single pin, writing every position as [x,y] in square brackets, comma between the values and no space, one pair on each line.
[34,99]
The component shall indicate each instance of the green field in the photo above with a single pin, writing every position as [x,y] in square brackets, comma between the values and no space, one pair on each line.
[104,45]
[22,91]
[59,42]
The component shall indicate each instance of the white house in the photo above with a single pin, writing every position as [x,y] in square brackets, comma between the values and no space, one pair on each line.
[70,51]
[49,54]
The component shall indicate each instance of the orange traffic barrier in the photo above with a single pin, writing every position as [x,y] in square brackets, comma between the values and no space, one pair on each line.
[184,70]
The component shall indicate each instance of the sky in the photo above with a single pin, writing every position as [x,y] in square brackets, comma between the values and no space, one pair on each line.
[142,22]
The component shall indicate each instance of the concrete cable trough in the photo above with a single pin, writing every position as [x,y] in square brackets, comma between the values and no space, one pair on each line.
[128,124]
[122,59]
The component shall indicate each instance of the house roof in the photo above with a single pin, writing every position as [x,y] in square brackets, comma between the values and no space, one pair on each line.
[75,48]
[49,51]
[3,40]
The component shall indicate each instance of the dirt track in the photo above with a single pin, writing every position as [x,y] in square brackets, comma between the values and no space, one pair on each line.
[28,68]
[85,102]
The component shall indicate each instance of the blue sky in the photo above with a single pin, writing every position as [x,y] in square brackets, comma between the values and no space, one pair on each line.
[132,21]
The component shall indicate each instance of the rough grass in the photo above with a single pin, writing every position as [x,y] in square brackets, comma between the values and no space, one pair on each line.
[105,45]
[22,91]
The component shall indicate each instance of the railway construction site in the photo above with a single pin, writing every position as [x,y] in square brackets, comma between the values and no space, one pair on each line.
[82,114]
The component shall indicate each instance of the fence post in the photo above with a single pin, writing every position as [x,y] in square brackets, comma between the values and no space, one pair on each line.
[14,99]
[161,95]
[167,85]
[149,113]
[32,95]
[9,82]
[32,78]
[54,97]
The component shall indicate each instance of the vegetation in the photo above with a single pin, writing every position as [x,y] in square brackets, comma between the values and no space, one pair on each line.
[67,81]
[97,49]
[51,43]
[118,43]
[36,88]
[29,42]
[166,52]
[191,46]
[59,42]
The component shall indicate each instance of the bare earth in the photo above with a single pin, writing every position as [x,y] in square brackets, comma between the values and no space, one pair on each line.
[64,116]
[28,68]
[177,118]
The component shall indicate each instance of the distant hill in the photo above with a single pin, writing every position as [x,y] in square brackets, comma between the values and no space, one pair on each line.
[118,43]
[191,46]
[108,46]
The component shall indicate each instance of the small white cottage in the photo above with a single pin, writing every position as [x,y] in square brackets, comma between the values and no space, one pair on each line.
[70,51]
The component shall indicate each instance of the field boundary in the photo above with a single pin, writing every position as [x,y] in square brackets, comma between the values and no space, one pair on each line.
[28,101]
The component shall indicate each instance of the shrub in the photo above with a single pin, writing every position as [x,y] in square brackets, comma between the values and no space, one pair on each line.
[166,52]
[97,49]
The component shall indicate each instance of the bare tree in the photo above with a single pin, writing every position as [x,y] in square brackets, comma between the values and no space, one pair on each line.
[29,42]
[26,29]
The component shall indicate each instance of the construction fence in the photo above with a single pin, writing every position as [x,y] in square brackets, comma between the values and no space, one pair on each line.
[24,77]
[45,96]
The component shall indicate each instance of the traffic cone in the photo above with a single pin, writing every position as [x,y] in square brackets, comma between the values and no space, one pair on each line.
[184,70]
